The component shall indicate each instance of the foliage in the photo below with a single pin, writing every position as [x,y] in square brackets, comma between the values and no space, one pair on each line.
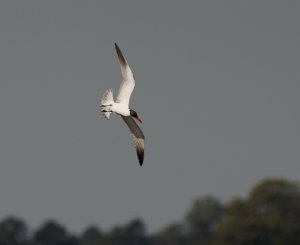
[13,231]
[52,233]
[91,236]
[172,234]
[134,233]
[269,215]
[202,220]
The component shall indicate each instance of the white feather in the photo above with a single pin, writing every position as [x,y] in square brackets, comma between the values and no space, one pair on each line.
[128,82]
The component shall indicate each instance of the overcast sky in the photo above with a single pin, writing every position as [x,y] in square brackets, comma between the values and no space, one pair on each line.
[217,88]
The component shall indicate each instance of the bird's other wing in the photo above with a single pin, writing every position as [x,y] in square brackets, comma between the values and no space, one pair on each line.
[128,83]
[138,137]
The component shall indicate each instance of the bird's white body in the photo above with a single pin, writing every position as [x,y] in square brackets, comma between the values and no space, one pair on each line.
[121,109]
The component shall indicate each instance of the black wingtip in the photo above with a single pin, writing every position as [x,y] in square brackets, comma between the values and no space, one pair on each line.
[120,55]
[141,158]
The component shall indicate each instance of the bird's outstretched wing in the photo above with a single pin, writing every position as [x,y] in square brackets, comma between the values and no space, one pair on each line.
[128,83]
[138,137]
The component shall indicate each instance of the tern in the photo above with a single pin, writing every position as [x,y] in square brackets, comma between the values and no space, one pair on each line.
[121,105]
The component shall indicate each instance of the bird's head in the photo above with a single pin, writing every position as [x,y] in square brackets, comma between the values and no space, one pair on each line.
[135,115]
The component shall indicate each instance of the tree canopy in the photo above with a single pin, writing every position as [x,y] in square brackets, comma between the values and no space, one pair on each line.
[270,214]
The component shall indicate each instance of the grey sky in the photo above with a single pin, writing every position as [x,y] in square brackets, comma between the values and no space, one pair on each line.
[217,88]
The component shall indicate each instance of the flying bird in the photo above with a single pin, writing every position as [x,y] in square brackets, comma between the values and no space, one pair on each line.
[121,105]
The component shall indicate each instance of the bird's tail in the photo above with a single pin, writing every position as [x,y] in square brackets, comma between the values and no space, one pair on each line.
[107,101]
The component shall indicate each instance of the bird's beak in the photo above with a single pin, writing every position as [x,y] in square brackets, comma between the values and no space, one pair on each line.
[137,118]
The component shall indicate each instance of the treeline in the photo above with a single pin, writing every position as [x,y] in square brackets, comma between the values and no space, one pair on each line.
[270,214]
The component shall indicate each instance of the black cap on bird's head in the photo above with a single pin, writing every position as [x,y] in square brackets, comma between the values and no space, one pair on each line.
[135,115]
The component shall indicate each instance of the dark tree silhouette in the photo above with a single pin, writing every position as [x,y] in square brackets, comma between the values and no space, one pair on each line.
[52,233]
[91,236]
[270,215]
[134,233]
[202,220]
[172,234]
[13,231]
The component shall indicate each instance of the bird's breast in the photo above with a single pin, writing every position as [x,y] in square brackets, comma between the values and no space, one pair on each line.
[120,109]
